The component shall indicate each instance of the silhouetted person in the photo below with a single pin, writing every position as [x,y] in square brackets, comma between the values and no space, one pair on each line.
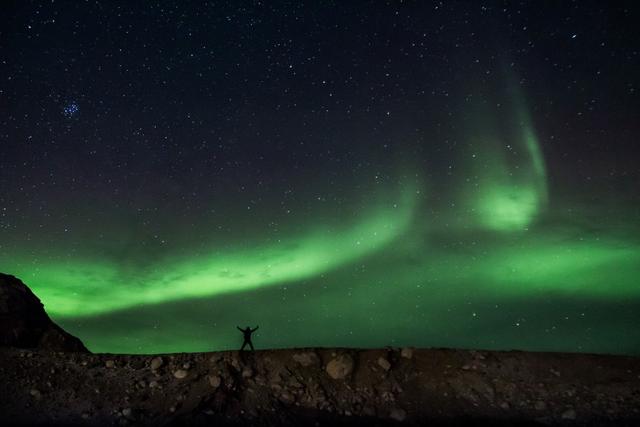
[247,336]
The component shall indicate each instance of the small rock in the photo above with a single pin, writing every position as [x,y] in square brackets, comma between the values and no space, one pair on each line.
[156,362]
[540,405]
[368,411]
[153,384]
[476,354]
[172,409]
[554,372]
[306,359]
[287,397]
[85,416]
[247,372]
[127,412]
[186,365]
[384,363]
[504,405]
[110,364]
[35,393]
[214,380]
[569,414]
[180,374]
[235,364]
[340,367]
[398,414]
[406,352]
[387,396]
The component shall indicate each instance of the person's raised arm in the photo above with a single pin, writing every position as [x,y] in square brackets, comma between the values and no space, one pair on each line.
[240,329]
[253,330]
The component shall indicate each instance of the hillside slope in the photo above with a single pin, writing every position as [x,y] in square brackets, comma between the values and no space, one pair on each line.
[25,324]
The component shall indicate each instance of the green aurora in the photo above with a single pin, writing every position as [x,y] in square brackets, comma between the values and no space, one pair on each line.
[309,255]
[504,269]
[508,186]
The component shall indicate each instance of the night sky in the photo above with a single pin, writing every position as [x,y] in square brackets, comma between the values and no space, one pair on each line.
[351,173]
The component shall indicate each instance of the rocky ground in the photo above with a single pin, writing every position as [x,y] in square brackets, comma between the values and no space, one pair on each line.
[320,387]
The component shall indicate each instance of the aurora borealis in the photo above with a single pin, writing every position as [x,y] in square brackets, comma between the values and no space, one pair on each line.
[216,272]
[432,175]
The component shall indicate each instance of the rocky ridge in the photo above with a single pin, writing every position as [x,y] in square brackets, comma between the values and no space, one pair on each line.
[24,322]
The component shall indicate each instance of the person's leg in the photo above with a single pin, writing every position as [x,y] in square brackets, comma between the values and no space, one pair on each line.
[243,344]
[251,345]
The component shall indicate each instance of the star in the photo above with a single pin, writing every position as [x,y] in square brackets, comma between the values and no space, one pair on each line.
[71,110]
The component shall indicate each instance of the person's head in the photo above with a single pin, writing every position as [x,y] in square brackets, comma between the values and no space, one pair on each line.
[248,327]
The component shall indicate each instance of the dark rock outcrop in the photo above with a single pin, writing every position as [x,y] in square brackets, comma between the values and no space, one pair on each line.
[25,324]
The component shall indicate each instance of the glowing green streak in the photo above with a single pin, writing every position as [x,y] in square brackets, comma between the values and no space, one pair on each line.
[597,269]
[506,203]
[539,170]
[578,268]
[506,207]
[77,288]
[413,293]
[511,188]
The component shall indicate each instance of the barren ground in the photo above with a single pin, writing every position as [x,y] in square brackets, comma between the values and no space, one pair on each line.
[320,386]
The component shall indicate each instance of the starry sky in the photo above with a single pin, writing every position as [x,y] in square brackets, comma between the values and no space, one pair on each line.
[360,174]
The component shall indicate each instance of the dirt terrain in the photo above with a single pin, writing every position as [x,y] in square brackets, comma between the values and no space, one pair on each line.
[320,387]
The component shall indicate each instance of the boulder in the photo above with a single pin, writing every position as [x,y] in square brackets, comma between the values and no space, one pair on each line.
[180,374]
[398,414]
[384,363]
[407,352]
[340,367]
[214,381]
[156,363]
[306,359]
